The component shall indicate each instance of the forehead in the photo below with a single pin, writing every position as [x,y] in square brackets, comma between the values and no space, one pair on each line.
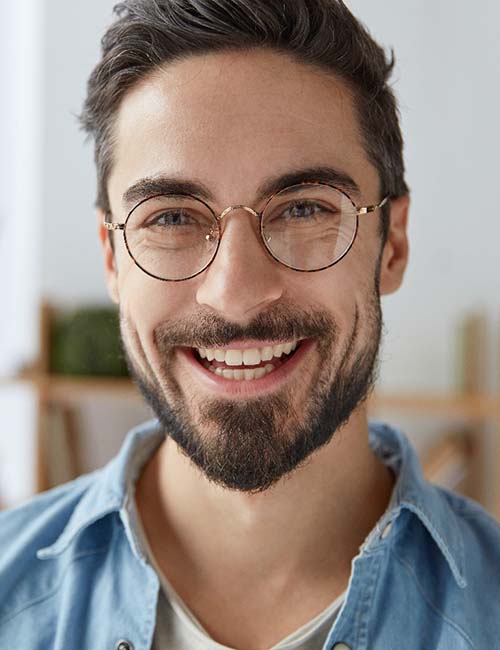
[230,120]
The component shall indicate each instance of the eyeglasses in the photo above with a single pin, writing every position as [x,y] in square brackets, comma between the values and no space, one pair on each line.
[307,227]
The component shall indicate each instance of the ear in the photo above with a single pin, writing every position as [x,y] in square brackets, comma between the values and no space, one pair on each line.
[396,250]
[109,258]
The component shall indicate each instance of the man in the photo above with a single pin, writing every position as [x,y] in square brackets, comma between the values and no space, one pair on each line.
[252,209]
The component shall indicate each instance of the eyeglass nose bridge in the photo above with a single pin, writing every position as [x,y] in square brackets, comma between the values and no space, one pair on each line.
[237,207]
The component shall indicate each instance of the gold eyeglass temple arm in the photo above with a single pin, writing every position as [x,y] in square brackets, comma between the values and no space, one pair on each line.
[372,208]
[113,226]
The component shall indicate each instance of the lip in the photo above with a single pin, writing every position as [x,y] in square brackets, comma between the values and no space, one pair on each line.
[245,388]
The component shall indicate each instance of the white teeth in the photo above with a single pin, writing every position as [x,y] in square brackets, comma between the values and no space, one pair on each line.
[234,358]
[251,357]
[249,373]
[246,373]
[278,350]
[266,354]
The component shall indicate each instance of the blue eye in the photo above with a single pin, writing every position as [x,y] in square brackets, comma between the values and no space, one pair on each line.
[172,218]
[302,210]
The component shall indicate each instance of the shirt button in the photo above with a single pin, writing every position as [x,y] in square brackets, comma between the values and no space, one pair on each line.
[124,645]
[386,530]
[341,646]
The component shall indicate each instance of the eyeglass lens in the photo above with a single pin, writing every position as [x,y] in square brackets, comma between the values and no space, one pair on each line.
[306,227]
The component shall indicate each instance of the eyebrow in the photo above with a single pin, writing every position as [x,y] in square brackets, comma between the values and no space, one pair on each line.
[321,174]
[148,187]
[152,186]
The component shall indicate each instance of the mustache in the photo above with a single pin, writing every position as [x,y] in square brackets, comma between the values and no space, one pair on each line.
[209,330]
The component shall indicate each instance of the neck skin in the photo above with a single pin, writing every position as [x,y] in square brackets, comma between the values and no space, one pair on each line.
[306,529]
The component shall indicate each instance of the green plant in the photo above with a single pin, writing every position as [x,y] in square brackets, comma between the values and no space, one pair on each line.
[87,342]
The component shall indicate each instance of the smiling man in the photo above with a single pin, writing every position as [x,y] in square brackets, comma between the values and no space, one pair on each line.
[252,210]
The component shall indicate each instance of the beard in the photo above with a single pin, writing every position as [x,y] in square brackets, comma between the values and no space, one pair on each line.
[249,445]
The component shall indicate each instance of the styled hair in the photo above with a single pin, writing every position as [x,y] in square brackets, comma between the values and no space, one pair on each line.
[322,33]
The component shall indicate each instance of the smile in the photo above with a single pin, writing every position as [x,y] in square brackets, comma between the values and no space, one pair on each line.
[248,364]
[245,369]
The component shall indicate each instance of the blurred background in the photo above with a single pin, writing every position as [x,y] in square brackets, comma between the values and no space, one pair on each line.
[62,414]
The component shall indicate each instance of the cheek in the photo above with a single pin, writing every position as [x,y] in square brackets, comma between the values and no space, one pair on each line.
[342,290]
[147,303]
[334,289]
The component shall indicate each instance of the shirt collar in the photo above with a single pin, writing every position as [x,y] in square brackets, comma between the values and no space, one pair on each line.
[414,493]
[108,492]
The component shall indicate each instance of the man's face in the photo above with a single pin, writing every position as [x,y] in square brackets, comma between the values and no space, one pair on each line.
[232,122]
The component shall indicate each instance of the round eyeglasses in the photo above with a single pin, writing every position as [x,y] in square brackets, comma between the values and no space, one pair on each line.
[306,227]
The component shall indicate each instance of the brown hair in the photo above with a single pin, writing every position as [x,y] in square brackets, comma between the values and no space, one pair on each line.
[322,33]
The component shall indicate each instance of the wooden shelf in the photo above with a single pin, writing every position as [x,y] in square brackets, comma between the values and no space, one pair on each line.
[469,406]
[61,388]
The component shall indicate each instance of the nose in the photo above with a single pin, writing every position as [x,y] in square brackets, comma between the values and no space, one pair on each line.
[243,278]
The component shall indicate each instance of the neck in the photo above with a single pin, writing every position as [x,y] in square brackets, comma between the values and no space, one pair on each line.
[312,520]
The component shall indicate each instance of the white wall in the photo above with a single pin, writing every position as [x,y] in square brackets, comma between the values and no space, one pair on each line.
[72,267]
[21,124]
[448,54]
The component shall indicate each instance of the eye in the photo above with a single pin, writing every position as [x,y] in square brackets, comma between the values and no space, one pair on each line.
[171,219]
[302,210]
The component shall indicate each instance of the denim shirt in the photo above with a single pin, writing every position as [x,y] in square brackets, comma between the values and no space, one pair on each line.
[73,575]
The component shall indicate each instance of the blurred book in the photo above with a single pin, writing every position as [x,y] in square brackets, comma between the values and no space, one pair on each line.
[472,354]
[60,455]
[448,462]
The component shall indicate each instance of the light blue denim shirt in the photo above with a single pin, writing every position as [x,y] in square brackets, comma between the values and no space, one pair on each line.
[74,577]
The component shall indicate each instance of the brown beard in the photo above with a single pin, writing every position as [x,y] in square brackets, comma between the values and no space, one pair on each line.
[249,445]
